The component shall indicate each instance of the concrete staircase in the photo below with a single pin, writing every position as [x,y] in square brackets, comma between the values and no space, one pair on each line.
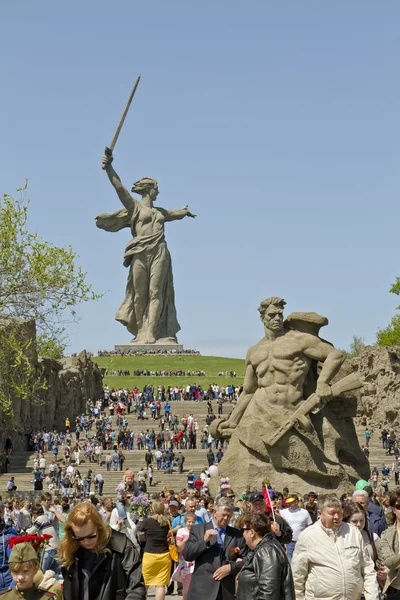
[21,463]
[377,456]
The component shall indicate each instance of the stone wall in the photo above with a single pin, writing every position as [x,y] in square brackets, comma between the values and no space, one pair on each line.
[378,403]
[71,382]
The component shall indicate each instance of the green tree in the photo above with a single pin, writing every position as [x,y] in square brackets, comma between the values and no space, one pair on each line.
[39,282]
[390,336]
[395,289]
[355,347]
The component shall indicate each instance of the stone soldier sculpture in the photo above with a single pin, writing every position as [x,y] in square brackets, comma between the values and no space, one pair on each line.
[273,431]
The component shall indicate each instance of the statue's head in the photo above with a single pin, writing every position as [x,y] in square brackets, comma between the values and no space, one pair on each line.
[144,186]
[271,312]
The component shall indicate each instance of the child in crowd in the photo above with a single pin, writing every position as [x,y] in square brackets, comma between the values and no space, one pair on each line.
[184,570]
[150,471]
[29,580]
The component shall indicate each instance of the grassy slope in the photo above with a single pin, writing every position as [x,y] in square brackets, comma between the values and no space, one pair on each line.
[210,364]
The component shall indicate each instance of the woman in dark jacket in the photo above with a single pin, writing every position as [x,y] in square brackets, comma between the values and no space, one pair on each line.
[98,562]
[266,573]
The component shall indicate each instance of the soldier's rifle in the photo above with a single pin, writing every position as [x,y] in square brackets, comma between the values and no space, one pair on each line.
[312,404]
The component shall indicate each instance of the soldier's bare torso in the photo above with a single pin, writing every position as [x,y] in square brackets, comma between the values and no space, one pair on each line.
[280,367]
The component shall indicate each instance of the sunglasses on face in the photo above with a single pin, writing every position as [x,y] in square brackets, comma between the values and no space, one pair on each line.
[245,529]
[397,506]
[85,537]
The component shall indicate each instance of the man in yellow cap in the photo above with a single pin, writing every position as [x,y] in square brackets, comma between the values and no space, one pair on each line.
[298,519]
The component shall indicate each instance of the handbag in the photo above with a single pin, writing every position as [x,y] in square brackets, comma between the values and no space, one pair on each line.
[173,550]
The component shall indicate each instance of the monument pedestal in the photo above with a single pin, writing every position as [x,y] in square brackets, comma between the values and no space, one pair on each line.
[157,347]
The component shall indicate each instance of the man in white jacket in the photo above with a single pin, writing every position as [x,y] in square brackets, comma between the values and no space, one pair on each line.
[330,561]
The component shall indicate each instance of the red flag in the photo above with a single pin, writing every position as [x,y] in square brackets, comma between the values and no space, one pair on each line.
[268,505]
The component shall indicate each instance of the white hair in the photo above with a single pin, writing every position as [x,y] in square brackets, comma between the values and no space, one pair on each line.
[222,503]
[358,493]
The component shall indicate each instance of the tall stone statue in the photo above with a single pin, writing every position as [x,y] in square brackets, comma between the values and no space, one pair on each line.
[148,310]
[286,427]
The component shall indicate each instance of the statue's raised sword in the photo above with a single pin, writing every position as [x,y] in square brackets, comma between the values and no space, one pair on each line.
[110,148]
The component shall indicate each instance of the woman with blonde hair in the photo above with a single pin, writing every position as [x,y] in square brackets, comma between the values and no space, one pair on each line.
[156,557]
[98,562]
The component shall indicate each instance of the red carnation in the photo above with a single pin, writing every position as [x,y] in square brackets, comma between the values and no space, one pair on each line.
[36,540]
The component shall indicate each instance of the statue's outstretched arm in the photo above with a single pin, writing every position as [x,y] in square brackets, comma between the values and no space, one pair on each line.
[177,215]
[121,190]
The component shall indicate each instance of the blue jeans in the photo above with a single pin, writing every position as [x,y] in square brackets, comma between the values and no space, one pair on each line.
[290,549]
[49,562]
[121,509]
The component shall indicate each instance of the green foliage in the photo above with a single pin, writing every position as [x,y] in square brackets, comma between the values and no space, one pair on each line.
[390,336]
[355,347]
[50,347]
[39,282]
[18,367]
[395,289]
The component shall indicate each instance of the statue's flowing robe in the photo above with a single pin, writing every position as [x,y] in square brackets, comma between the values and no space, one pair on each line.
[153,254]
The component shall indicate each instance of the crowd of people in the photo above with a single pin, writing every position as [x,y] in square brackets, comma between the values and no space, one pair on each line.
[156,373]
[164,373]
[206,540]
[252,544]
[102,435]
[169,352]
[149,393]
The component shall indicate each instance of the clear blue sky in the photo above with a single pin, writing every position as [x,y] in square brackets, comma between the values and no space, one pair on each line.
[277,122]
